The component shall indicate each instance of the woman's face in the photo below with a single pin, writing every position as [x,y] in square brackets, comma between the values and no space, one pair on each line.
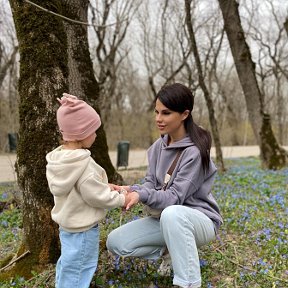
[170,122]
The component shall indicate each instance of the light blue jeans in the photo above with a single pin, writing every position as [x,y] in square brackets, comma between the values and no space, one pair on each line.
[79,257]
[181,229]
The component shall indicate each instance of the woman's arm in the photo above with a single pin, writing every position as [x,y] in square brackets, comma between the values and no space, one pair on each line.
[186,179]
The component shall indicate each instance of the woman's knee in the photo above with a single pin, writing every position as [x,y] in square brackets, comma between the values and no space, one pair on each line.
[176,217]
[112,242]
[118,243]
[170,214]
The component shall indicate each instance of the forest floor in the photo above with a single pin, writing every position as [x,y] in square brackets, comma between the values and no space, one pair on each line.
[251,250]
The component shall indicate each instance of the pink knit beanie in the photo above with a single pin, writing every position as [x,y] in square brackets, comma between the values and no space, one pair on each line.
[76,119]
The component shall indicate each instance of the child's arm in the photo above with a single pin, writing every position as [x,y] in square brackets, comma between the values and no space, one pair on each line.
[98,194]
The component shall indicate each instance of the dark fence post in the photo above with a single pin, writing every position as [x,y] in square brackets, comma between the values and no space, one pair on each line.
[122,153]
[12,139]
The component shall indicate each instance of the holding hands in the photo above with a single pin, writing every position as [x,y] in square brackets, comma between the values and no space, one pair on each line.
[131,197]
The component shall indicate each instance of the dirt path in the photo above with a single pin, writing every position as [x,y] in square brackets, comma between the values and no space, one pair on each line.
[137,158]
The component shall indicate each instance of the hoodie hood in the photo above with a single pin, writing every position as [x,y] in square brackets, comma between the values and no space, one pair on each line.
[64,168]
[183,143]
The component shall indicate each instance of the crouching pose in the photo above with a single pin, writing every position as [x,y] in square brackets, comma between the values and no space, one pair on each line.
[176,192]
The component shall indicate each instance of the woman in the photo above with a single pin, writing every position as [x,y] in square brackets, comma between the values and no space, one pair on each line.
[190,216]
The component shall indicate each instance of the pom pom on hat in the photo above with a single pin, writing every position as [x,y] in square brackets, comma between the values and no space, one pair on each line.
[76,119]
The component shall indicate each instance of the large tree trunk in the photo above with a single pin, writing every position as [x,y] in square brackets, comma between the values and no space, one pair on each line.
[209,102]
[54,58]
[272,155]
[81,79]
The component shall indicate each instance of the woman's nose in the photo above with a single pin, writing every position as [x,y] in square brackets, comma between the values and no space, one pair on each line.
[158,117]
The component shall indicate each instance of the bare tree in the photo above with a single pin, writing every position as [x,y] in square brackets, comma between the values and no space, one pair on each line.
[286,25]
[54,59]
[272,155]
[8,78]
[8,96]
[163,44]
[128,107]
[8,62]
[272,66]
[110,49]
[219,74]
[208,99]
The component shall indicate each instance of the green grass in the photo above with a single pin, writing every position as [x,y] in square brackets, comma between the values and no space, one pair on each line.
[10,221]
[252,249]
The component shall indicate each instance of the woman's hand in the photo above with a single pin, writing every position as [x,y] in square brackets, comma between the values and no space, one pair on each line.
[131,199]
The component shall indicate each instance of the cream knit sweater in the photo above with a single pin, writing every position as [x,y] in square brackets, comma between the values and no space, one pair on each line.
[80,189]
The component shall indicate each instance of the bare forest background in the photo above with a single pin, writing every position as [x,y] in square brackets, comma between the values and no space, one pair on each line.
[149,47]
[116,55]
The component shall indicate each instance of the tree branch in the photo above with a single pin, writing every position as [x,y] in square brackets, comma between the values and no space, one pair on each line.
[15,260]
[69,19]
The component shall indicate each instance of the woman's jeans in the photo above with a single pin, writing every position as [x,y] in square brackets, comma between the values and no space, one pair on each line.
[79,257]
[181,229]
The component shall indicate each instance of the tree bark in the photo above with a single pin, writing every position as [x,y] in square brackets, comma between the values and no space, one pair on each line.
[272,155]
[54,58]
[209,102]
[286,25]
[81,79]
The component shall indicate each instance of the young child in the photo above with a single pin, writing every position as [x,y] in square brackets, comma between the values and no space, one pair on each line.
[81,193]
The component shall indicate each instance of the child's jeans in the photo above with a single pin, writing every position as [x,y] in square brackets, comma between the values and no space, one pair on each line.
[79,257]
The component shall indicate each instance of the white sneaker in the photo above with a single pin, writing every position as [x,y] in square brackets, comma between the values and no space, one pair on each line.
[165,266]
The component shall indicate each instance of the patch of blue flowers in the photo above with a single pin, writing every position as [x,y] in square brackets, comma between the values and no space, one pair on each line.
[254,205]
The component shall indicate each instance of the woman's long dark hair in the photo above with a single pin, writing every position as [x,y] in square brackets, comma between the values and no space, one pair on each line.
[179,98]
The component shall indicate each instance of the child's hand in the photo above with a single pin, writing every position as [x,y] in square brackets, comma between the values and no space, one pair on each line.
[127,188]
[114,187]
[122,191]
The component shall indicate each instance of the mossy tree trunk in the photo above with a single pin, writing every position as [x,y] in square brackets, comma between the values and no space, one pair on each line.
[81,79]
[54,58]
[272,155]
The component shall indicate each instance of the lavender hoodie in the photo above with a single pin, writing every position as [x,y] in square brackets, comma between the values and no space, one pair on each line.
[188,186]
